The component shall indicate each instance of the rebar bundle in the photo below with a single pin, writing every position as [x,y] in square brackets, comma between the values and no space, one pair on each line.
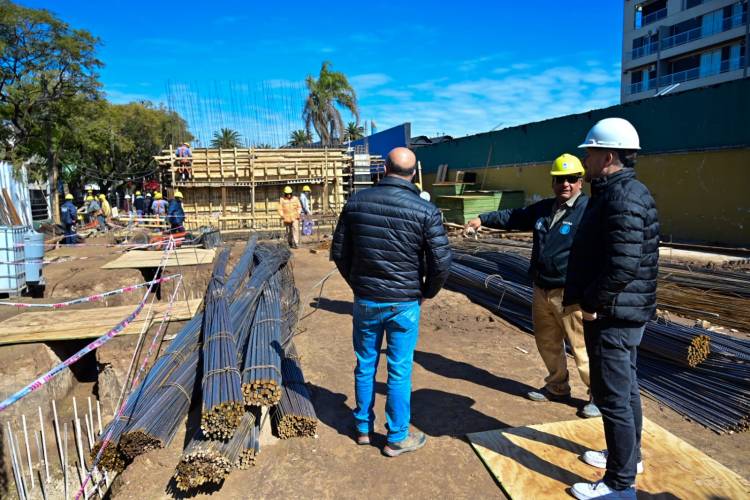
[250,448]
[208,460]
[261,373]
[294,416]
[221,387]
[700,374]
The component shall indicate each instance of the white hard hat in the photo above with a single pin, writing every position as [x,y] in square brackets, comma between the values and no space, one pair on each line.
[612,133]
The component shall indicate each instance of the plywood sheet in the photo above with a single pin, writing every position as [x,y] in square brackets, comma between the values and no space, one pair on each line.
[542,461]
[149,258]
[65,324]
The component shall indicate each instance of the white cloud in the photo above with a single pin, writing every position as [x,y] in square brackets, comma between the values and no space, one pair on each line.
[367,81]
[511,98]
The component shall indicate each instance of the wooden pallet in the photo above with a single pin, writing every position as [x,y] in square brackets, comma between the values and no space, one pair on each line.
[180,257]
[67,324]
[542,461]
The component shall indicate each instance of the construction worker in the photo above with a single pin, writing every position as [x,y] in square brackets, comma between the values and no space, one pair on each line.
[175,213]
[289,211]
[69,213]
[390,247]
[147,202]
[304,199]
[105,214]
[554,222]
[159,206]
[612,277]
[139,204]
[93,209]
[184,162]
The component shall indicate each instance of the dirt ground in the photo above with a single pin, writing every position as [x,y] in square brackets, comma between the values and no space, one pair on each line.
[470,373]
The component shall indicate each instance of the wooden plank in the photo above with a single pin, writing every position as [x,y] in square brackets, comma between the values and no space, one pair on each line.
[180,257]
[66,324]
[14,217]
[542,461]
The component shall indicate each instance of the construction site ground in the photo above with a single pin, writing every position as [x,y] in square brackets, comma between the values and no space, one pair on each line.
[471,371]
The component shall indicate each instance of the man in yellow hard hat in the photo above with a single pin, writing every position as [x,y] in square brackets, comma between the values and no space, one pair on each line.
[105,215]
[554,222]
[176,214]
[159,206]
[289,211]
[68,213]
[139,204]
[304,199]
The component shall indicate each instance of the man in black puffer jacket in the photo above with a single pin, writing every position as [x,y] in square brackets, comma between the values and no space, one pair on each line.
[391,248]
[612,276]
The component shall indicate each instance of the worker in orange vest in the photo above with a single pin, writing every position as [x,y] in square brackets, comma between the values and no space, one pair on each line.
[289,211]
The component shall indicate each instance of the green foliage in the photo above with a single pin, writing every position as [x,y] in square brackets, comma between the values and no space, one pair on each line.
[353,132]
[300,139]
[226,138]
[331,89]
[263,145]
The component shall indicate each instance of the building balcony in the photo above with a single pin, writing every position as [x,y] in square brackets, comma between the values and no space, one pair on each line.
[644,50]
[637,88]
[698,72]
[728,23]
[653,17]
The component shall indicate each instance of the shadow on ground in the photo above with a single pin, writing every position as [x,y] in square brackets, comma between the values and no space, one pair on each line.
[332,305]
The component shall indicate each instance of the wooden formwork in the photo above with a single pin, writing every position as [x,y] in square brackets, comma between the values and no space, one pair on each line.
[241,188]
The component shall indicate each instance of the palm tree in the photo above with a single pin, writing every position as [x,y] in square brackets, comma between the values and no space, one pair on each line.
[226,138]
[353,132]
[331,89]
[263,145]
[300,139]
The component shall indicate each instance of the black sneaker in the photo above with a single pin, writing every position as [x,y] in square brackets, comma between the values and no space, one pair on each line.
[543,395]
[413,442]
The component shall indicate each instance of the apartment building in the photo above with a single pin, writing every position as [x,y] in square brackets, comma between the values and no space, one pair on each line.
[675,45]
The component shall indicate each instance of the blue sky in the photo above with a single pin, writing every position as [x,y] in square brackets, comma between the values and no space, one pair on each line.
[448,67]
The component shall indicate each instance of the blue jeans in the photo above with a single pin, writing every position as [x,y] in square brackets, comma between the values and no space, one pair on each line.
[612,346]
[400,323]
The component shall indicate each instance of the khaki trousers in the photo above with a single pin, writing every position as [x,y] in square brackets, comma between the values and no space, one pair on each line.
[292,233]
[552,325]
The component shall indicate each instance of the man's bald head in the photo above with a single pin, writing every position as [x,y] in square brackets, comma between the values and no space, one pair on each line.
[401,162]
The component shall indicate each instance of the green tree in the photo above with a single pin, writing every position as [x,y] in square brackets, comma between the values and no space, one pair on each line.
[329,90]
[263,145]
[226,138]
[300,139]
[353,132]
[116,142]
[47,70]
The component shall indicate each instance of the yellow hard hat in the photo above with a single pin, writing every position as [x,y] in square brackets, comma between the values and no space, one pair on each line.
[567,164]
[137,193]
[68,196]
[306,188]
[177,194]
[89,198]
[288,190]
[419,186]
[102,197]
[157,196]
[187,144]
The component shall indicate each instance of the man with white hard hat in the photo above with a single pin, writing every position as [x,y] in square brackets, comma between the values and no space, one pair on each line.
[612,276]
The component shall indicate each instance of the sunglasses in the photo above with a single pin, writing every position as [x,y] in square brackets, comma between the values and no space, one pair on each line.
[571,179]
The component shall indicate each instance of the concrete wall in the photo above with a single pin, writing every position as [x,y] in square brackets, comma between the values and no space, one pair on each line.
[701,196]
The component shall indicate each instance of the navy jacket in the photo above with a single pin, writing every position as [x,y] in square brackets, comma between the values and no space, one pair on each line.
[390,244]
[614,261]
[68,213]
[548,266]
[175,213]
[140,203]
